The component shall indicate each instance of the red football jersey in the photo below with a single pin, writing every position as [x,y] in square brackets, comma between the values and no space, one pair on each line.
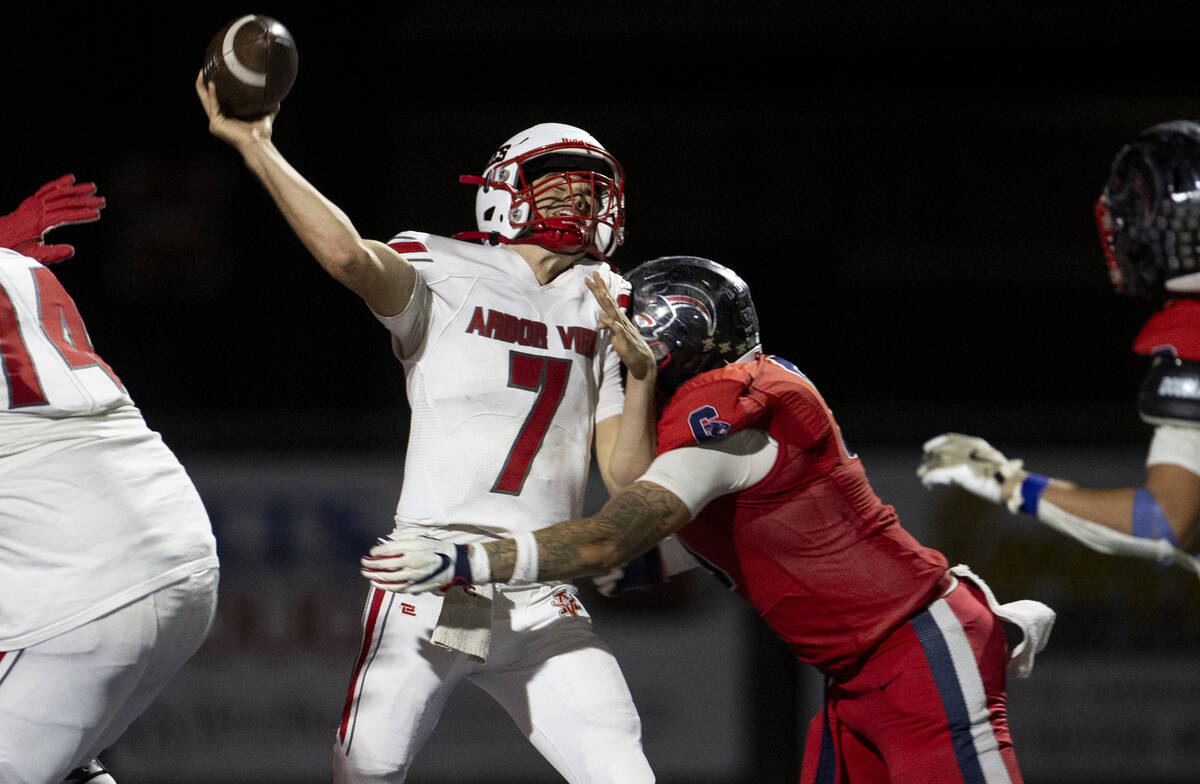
[811,546]
[1174,330]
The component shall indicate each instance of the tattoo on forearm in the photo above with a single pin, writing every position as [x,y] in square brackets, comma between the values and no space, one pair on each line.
[630,523]
[502,555]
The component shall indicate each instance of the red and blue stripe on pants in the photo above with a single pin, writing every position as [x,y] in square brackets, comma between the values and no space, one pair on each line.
[928,705]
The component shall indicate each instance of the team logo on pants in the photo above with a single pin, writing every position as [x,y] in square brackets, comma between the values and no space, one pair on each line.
[565,602]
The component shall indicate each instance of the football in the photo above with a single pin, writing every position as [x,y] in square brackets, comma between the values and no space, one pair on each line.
[253,62]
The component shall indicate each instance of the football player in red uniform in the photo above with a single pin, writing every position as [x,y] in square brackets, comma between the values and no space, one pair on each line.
[753,476]
[1148,214]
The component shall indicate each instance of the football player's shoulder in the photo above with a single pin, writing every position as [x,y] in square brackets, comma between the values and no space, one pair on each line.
[707,407]
[448,256]
[15,269]
[14,260]
[778,378]
[613,279]
[573,277]
[718,386]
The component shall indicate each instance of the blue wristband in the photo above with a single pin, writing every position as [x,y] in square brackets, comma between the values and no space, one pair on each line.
[1031,492]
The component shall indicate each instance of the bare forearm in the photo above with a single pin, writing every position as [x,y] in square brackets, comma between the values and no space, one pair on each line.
[324,229]
[635,443]
[1175,490]
[1110,508]
[628,525]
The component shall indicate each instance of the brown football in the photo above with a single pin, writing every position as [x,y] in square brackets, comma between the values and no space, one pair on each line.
[253,62]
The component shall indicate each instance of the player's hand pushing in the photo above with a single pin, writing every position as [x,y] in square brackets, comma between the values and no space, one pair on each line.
[626,340]
[238,133]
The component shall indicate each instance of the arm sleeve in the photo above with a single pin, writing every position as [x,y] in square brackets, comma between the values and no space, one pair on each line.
[1110,542]
[698,474]
[1176,444]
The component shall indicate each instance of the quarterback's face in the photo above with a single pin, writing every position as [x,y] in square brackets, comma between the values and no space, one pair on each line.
[560,194]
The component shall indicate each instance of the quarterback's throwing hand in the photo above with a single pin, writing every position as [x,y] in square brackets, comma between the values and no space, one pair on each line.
[417,565]
[973,464]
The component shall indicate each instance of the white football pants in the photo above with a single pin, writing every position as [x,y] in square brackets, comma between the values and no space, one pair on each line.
[546,667]
[65,700]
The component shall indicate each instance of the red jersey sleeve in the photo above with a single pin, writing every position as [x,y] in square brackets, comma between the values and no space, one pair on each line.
[710,406]
[764,394]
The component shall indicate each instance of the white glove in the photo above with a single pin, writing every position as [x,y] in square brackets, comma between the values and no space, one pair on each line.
[971,463]
[424,564]
[609,584]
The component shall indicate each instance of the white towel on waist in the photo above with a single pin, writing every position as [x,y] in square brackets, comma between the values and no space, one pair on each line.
[465,622]
[1034,619]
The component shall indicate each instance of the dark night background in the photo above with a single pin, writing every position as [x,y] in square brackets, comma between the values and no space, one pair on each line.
[907,188]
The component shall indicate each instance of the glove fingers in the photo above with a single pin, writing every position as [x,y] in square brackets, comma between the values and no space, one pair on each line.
[47,254]
[56,184]
[400,547]
[75,211]
[80,190]
[935,442]
[384,576]
[931,477]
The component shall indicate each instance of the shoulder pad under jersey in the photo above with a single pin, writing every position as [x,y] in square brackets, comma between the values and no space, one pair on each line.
[1170,393]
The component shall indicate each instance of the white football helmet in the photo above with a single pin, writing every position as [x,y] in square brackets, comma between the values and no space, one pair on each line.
[506,209]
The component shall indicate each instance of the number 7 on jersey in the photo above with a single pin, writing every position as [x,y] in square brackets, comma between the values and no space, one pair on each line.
[547,376]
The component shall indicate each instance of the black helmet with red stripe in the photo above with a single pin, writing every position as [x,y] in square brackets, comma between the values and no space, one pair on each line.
[694,313]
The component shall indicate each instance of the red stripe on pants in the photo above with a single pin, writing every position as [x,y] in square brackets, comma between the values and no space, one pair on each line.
[376,601]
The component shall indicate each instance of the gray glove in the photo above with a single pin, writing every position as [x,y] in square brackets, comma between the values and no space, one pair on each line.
[971,463]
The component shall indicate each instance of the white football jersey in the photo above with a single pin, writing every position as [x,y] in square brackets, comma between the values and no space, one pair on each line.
[46,356]
[95,511]
[506,379]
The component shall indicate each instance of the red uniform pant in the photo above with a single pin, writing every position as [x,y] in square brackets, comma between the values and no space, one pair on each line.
[927,707]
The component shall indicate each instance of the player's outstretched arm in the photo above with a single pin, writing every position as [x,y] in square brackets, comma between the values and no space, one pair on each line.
[628,525]
[60,202]
[371,269]
[625,444]
[1153,522]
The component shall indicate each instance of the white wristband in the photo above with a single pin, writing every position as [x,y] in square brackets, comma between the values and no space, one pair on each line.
[525,570]
[481,565]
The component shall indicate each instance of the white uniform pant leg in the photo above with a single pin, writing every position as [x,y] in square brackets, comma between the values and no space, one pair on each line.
[65,700]
[398,688]
[565,690]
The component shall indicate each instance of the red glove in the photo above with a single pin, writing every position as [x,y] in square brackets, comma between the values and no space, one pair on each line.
[57,203]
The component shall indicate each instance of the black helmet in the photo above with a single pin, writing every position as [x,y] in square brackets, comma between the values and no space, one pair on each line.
[1149,211]
[695,314]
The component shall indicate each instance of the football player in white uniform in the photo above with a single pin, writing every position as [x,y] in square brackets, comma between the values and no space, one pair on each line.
[512,351]
[108,566]
[1147,216]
